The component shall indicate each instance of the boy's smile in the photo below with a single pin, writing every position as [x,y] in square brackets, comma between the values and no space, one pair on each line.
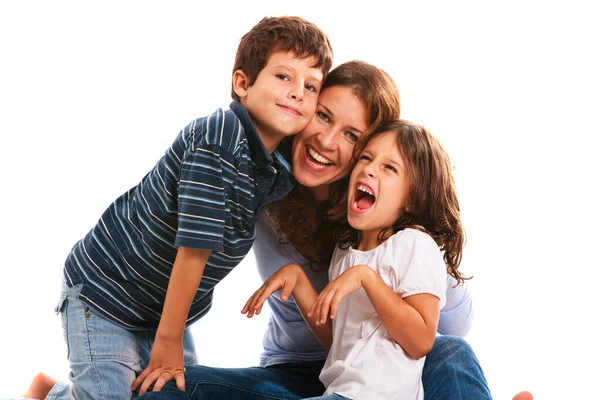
[283,98]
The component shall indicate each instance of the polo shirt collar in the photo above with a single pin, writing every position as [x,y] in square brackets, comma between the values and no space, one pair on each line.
[260,155]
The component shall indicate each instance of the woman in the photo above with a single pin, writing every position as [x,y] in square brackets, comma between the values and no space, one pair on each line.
[355,99]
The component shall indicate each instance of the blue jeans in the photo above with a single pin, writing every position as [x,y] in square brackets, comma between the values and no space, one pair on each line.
[330,397]
[104,357]
[451,372]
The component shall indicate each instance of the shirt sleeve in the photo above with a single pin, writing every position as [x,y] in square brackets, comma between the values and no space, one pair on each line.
[201,197]
[418,265]
[457,315]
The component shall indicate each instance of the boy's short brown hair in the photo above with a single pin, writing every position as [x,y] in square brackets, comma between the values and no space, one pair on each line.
[285,33]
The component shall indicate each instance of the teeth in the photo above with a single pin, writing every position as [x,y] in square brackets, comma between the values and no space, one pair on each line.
[365,189]
[319,157]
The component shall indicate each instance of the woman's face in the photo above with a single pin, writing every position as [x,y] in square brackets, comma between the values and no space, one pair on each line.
[323,150]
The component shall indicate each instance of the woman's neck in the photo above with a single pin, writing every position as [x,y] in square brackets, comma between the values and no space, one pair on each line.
[320,193]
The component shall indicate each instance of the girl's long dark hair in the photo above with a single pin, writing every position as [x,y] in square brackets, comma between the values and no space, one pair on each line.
[432,205]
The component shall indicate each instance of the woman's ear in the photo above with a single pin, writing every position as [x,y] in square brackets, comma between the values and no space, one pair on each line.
[240,84]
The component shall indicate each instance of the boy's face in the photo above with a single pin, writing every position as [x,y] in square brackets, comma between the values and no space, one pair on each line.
[283,99]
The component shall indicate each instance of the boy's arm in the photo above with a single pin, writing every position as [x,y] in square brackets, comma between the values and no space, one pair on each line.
[166,358]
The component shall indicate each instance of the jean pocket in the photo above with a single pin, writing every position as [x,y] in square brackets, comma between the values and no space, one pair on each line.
[62,309]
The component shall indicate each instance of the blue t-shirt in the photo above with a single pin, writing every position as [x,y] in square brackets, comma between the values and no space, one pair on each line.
[206,192]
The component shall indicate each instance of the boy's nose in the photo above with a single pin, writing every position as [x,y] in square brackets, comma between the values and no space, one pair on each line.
[297,93]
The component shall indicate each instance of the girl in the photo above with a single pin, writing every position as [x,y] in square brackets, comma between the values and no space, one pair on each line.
[388,276]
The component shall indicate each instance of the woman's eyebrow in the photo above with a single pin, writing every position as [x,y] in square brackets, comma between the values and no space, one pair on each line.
[326,109]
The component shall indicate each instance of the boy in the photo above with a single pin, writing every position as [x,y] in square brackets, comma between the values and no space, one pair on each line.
[149,266]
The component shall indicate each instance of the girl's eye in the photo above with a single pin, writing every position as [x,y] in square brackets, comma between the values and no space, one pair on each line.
[323,116]
[351,136]
[311,88]
[282,77]
[390,168]
[364,157]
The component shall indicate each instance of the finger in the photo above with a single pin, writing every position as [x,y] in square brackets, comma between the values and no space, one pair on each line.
[180,381]
[140,379]
[150,379]
[250,301]
[162,380]
[286,292]
[335,304]
[324,311]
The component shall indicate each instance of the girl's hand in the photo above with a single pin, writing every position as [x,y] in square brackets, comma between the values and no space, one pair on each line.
[166,363]
[335,291]
[285,279]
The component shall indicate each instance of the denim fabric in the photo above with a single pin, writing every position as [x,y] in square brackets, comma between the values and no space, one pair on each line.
[451,372]
[330,397]
[104,357]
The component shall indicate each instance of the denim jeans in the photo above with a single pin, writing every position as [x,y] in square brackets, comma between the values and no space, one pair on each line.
[104,357]
[451,372]
[329,397]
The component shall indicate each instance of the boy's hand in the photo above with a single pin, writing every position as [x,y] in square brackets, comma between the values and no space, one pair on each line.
[285,279]
[166,363]
[336,290]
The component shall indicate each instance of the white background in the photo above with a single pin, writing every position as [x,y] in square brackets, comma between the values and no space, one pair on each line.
[93,93]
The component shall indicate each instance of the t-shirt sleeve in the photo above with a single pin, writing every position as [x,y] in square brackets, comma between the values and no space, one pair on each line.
[418,266]
[201,197]
[457,315]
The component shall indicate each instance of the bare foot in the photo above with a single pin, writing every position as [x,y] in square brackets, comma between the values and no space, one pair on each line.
[40,387]
[525,395]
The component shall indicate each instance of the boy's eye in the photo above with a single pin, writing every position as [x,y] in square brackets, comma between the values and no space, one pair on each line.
[312,88]
[351,136]
[282,77]
[323,116]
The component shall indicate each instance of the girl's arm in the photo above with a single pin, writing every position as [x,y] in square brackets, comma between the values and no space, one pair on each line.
[412,322]
[292,280]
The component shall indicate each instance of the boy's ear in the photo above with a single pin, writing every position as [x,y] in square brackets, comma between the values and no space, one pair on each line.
[240,83]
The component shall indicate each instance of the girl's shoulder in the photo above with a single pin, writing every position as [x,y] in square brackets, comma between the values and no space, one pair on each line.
[413,237]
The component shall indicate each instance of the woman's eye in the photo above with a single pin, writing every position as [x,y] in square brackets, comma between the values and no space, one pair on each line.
[351,136]
[323,116]
[282,77]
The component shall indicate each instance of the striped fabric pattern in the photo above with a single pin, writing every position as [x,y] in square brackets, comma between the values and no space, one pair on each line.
[203,193]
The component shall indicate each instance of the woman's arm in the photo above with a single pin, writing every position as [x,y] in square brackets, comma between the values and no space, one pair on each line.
[292,280]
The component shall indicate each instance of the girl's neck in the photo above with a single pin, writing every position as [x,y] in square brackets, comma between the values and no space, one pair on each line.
[369,239]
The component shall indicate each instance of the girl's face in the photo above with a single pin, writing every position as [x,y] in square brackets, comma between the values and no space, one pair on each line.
[323,150]
[379,188]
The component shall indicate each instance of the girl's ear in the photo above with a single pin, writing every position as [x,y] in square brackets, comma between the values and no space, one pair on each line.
[240,83]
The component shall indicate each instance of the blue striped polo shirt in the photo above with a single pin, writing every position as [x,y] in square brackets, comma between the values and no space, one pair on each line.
[206,192]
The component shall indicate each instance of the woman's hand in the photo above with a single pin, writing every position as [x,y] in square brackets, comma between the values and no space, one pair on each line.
[336,290]
[166,363]
[285,279]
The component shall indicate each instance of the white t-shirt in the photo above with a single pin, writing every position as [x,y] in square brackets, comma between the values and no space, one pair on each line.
[364,361]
